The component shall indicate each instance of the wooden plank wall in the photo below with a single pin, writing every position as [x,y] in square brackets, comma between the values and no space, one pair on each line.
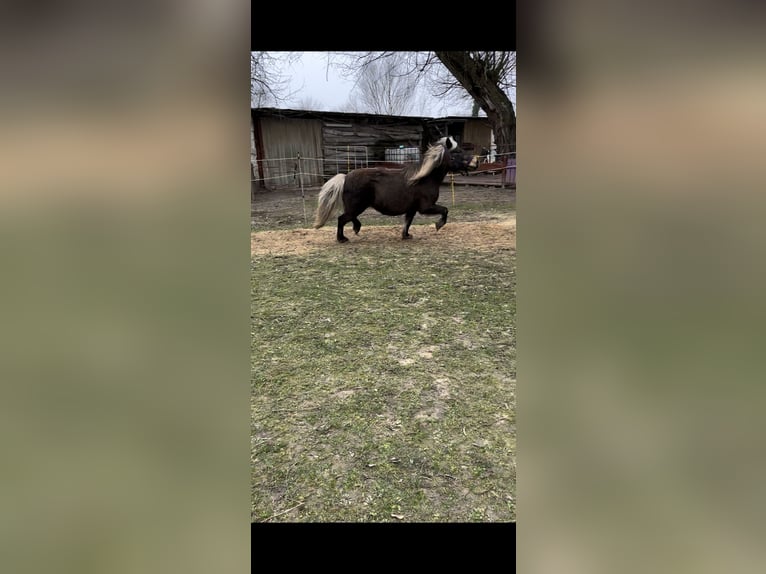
[359,143]
[283,140]
[478,133]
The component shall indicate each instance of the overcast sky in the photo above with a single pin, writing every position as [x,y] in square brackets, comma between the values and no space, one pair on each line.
[312,78]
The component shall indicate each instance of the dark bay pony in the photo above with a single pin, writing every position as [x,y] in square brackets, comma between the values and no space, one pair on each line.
[405,191]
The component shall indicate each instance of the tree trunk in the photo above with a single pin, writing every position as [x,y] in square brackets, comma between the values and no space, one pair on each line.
[472,74]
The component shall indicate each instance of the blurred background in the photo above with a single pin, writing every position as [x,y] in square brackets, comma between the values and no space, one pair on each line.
[640,294]
[124,223]
[125,395]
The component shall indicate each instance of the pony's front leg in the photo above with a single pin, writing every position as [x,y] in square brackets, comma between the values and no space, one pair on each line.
[436,209]
[408,217]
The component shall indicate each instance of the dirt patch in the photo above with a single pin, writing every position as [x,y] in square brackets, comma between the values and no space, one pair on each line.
[489,235]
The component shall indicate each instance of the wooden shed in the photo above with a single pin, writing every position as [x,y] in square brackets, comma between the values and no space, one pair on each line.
[329,142]
[472,133]
[278,140]
[337,142]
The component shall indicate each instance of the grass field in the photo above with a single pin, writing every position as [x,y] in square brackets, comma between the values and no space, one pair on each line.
[384,371]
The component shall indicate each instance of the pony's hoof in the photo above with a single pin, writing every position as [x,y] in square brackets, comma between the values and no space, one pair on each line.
[342,239]
[439,225]
[408,236]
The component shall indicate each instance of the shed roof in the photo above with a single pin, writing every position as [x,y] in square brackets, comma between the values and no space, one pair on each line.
[312,114]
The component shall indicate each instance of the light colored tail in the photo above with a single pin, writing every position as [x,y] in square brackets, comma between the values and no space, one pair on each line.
[330,197]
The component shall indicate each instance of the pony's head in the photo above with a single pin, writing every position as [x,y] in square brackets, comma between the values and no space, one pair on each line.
[444,153]
[458,160]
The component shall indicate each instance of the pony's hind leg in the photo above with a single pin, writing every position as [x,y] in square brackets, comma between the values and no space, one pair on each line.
[408,217]
[437,210]
[342,221]
[357,225]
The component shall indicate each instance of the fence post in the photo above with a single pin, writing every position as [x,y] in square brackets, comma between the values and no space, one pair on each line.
[303,195]
[503,171]
[252,183]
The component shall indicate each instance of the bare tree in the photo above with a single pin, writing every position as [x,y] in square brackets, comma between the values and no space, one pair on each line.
[384,87]
[268,82]
[309,103]
[350,105]
[488,78]
[484,77]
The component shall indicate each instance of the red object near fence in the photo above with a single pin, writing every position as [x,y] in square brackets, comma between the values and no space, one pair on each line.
[510,171]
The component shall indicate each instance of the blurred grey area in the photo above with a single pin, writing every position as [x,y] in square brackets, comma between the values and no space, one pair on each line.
[641,289]
[124,247]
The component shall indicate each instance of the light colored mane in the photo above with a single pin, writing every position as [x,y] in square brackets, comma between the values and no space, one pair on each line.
[431,160]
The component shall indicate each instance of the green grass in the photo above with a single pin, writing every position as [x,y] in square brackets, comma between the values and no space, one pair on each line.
[383,385]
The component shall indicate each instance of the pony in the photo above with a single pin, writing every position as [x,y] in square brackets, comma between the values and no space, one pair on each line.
[404,191]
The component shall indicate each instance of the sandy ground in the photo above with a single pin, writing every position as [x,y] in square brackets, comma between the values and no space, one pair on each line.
[497,234]
[494,230]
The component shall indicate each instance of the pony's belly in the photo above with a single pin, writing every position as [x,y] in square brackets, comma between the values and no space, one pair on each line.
[389,211]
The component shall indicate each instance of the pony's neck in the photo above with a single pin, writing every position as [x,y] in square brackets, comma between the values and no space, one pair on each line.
[438,174]
[433,167]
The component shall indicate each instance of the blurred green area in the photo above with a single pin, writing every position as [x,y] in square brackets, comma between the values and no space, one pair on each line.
[640,294]
[123,219]
[124,418]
